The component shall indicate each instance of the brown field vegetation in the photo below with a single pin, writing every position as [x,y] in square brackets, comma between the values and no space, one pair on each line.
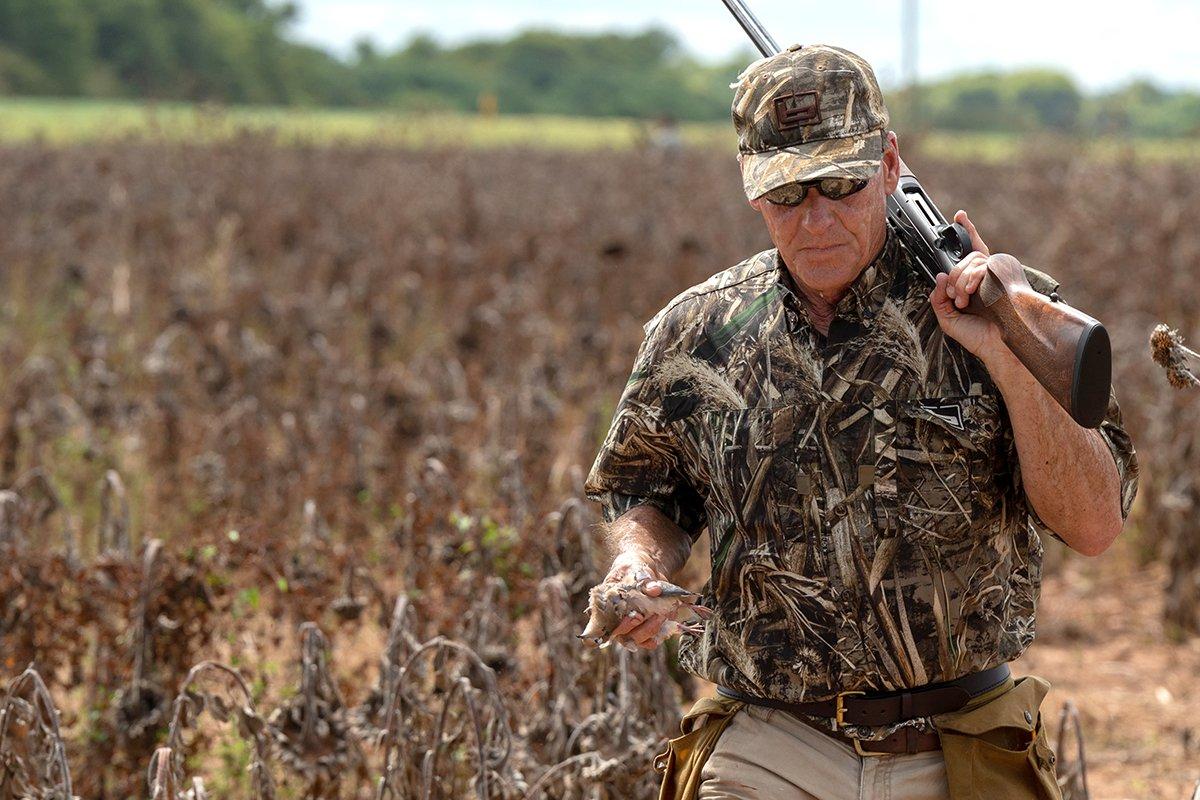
[321,416]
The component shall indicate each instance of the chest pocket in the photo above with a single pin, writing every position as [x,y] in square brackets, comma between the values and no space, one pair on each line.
[947,466]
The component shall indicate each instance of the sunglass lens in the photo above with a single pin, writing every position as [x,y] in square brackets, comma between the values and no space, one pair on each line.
[791,194]
[837,188]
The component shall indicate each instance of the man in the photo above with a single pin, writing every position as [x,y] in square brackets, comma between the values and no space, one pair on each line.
[868,460]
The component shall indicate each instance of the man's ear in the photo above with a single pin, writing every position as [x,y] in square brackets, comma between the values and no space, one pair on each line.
[891,162]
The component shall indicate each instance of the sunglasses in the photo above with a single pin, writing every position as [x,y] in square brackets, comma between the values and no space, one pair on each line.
[793,194]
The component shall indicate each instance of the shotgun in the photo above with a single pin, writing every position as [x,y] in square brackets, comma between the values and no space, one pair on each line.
[1067,351]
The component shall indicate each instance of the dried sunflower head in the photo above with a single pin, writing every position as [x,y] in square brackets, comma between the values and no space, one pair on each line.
[1166,347]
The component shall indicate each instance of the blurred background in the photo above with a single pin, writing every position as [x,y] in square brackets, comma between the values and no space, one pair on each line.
[408,72]
[314,314]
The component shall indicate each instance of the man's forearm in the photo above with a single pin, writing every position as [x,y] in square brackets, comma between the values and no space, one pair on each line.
[1068,472]
[647,536]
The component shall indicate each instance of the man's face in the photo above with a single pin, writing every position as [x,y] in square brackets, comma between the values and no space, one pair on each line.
[827,243]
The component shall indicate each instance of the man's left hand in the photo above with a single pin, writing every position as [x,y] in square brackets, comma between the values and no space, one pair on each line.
[952,293]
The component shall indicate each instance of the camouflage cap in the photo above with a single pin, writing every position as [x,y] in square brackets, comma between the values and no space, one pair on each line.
[812,111]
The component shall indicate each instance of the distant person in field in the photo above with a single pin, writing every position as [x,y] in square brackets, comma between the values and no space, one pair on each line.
[666,136]
[872,465]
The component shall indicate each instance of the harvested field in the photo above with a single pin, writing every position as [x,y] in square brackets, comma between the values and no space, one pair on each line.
[304,410]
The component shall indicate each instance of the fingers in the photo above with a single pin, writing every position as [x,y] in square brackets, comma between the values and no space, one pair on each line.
[942,304]
[976,241]
[640,631]
[628,624]
[968,281]
[965,277]
[652,589]
[644,635]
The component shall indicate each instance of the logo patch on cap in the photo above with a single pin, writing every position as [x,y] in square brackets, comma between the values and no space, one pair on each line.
[794,110]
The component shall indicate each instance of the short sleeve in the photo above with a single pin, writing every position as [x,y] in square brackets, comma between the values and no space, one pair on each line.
[640,461]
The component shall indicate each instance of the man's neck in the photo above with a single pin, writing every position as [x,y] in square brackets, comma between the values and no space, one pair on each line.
[820,306]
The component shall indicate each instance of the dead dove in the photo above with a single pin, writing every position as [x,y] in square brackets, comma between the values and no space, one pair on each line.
[610,603]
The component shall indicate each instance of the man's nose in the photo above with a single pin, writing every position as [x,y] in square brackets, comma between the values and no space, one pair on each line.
[816,212]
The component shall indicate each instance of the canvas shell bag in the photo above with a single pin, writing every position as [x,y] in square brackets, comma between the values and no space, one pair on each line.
[998,750]
[681,762]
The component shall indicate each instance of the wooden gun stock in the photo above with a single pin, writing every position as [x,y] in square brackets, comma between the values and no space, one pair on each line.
[1066,350]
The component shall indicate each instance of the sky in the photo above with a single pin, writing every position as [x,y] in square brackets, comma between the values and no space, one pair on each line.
[1100,45]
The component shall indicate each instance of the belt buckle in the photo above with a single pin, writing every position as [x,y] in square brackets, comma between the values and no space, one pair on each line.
[839,713]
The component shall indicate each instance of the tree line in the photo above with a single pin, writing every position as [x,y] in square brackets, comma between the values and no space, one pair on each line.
[242,51]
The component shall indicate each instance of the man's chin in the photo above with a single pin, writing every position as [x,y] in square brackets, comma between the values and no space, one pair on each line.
[826,269]
[835,258]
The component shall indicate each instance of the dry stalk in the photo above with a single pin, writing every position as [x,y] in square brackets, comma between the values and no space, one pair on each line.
[25,507]
[114,516]
[1072,771]
[349,605]
[162,776]
[576,761]
[413,735]
[560,687]
[571,553]
[485,626]
[368,718]
[141,706]
[190,703]
[1168,351]
[311,731]
[38,768]
[10,511]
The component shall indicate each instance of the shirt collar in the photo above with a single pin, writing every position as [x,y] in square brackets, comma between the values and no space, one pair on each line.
[862,301]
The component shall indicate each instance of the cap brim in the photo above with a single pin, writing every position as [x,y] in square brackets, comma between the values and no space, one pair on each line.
[851,157]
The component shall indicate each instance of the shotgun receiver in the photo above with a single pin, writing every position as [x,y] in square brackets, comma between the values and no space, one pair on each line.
[1067,351]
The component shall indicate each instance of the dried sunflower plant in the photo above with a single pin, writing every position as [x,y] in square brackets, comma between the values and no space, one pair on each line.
[1169,352]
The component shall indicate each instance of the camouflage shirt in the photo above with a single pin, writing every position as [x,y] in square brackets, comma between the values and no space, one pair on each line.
[862,492]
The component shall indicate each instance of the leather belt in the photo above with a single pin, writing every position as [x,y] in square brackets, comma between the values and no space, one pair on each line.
[887,708]
[906,740]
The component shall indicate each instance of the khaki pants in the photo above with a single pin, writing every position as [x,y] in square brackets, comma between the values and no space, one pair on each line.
[769,754]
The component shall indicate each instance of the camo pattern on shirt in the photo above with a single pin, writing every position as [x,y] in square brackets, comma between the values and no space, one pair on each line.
[868,526]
